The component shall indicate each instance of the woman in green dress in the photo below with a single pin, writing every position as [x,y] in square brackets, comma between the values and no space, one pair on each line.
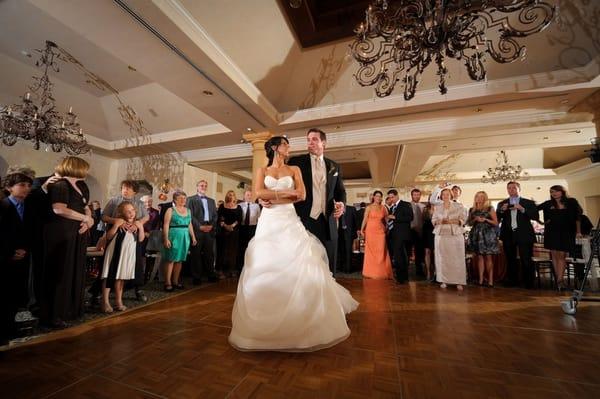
[177,234]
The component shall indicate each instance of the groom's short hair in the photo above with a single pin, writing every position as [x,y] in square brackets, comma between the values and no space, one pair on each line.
[315,130]
[393,191]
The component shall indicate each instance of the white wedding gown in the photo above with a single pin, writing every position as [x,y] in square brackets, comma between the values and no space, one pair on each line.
[287,299]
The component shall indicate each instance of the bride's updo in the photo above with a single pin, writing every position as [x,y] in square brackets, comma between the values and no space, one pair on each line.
[274,141]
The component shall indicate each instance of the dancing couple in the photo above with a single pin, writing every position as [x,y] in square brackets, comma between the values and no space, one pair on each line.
[287,298]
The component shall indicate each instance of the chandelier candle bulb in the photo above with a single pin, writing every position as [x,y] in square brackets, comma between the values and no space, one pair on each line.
[70,110]
[27,96]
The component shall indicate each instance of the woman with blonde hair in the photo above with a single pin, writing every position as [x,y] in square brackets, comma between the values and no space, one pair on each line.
[65,240]
[178,233]
[483,240]
[448,220]
[230,219]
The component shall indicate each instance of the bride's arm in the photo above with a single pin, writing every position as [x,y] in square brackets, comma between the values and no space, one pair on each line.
[276,197]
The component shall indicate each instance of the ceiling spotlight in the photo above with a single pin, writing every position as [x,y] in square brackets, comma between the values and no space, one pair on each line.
[207,93]
[578,131]
[249,129]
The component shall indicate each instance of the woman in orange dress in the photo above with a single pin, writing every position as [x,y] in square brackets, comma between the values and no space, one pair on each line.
[377,263]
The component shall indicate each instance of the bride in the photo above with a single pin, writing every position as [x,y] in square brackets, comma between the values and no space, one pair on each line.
[287,299]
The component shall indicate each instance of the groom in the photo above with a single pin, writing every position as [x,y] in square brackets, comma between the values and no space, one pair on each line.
[325,193]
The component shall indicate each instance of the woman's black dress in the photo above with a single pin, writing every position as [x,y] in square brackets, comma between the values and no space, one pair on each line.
[428,236]
[560,225]
[229,240]
[64,256]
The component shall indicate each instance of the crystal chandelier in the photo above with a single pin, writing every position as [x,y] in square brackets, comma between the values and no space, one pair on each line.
[36,118]
[399,39]
[503,171]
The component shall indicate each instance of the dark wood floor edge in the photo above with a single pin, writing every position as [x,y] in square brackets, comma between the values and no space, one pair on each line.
[86,326]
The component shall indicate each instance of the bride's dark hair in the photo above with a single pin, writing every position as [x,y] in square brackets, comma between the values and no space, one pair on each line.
[274,141]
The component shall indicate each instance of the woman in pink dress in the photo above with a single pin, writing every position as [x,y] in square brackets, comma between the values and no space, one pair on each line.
[377,263]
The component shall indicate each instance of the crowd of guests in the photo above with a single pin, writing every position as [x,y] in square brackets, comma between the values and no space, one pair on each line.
[435,234]
[48,224]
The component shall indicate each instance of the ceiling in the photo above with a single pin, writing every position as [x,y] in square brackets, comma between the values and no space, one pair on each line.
[202,74]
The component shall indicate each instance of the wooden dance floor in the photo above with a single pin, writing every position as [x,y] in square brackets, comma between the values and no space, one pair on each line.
[414,341]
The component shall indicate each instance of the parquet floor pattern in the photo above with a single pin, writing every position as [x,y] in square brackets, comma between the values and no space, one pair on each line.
[411,341]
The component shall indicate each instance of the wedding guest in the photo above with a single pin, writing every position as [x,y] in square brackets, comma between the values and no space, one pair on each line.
[399,218]
[428,242]
[178,233]
[230,218]
[151,228]
[120,255]
[483,240]
[250,214]
[562,225]
[15,251]
[516,232]
[377,263]
[416,232]
[129,189]
[347,233]
[448,219]
[66,236]
[204,220]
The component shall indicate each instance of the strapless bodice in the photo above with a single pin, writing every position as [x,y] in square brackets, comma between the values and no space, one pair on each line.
[283,183]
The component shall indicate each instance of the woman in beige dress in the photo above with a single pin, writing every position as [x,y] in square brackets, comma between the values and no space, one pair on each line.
[448,220]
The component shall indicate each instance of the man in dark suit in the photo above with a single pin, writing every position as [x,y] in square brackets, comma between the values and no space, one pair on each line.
[516,232]
[15,251]
[204,220]
[347,233]
[325,193]
[400,215]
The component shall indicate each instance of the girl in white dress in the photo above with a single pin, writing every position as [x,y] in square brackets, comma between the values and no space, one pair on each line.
[448,220]
[119,258]
[287,299]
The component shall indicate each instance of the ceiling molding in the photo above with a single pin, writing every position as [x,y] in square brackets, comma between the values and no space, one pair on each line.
[553,81]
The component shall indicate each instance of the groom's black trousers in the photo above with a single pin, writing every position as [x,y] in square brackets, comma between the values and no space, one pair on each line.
[320,228]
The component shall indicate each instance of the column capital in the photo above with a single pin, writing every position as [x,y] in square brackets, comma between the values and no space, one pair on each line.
[259,138]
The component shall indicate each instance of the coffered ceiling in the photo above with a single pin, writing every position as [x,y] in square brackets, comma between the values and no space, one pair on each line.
[202,73]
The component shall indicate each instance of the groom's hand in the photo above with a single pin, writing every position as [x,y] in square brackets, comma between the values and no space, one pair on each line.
[339,209]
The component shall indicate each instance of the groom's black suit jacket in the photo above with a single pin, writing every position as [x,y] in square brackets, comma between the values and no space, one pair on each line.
[335,190]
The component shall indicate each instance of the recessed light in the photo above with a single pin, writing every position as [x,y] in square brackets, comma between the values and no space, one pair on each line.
[578,131]
[207,93]
[248,129]
[478,109]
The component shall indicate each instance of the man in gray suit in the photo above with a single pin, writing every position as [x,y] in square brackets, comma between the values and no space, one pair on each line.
[204,221]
